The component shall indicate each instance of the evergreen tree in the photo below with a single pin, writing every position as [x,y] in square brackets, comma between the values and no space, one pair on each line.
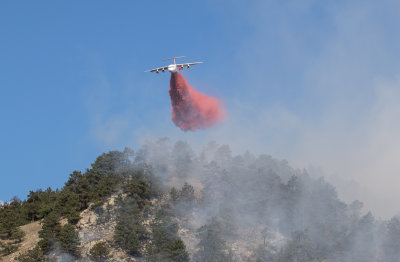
[99,252]
[49,232]
[39,203]
[166,244]
[10,218]
[187,193]
[182,156]
[391,245]
[129,232]
[212,247]
[262,254]
[361,242]
[139,190]
[174,194]
[176,251]
[299,249]
[17,234]
[33,255]
[8,248]
[69,240]
[8,222]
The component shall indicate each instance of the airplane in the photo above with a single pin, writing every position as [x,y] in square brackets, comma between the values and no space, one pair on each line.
[174,67]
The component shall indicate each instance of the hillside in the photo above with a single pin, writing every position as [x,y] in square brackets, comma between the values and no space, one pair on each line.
[166,202]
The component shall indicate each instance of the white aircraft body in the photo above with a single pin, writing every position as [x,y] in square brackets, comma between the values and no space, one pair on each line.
[174,67]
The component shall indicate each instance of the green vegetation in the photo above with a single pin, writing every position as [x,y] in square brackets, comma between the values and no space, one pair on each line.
[39,204]
[129,231]
[109,173]
[166,244]
[174,195]
[236,194]
[176,251]
[8,248]
[263,254]
[299,249]
[50,231]
[212,246]
[185,195]
[69,240]
[33,255]
[17,234]
[94,185]
[99,252]
[11,217]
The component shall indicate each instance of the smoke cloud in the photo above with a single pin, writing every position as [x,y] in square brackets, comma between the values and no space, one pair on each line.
[192,110]
[258,208]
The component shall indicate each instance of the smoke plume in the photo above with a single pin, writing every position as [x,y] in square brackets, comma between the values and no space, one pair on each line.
[192,110]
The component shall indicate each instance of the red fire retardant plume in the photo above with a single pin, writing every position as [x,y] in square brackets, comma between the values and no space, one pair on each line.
[190,109]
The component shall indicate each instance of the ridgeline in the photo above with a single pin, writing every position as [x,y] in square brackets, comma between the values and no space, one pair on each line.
[166,202]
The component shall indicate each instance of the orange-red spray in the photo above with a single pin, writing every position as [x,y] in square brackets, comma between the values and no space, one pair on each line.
[192,110]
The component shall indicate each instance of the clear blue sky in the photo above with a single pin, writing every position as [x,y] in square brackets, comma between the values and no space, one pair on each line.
[302,80]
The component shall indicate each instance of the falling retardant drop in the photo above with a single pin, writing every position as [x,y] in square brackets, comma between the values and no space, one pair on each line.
[192,110]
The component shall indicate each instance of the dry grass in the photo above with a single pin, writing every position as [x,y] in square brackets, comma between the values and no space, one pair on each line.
[30,240]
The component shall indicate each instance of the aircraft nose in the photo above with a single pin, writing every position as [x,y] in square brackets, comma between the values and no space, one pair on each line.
[172,68]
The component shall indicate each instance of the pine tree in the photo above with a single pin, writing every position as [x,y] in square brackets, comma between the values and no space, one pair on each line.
[50,230]
[69,240]
[99,252]
[391,245]
[212,247]
[299,249]
[176,251]
[8,248]
[129,232]
[33,255]
[17,234]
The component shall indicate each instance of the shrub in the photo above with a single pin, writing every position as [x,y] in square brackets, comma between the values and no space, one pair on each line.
[99,252]
[17,234]
[33,255]
[8,248]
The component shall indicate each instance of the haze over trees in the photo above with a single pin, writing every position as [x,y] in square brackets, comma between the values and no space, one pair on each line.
[173,204]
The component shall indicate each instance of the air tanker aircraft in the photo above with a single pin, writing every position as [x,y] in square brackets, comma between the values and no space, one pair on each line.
[174,67]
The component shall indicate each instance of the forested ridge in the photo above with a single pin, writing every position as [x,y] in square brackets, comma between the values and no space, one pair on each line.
[166,202]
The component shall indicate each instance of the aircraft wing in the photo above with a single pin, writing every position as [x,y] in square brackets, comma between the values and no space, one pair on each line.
[158,69]
[188,64]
